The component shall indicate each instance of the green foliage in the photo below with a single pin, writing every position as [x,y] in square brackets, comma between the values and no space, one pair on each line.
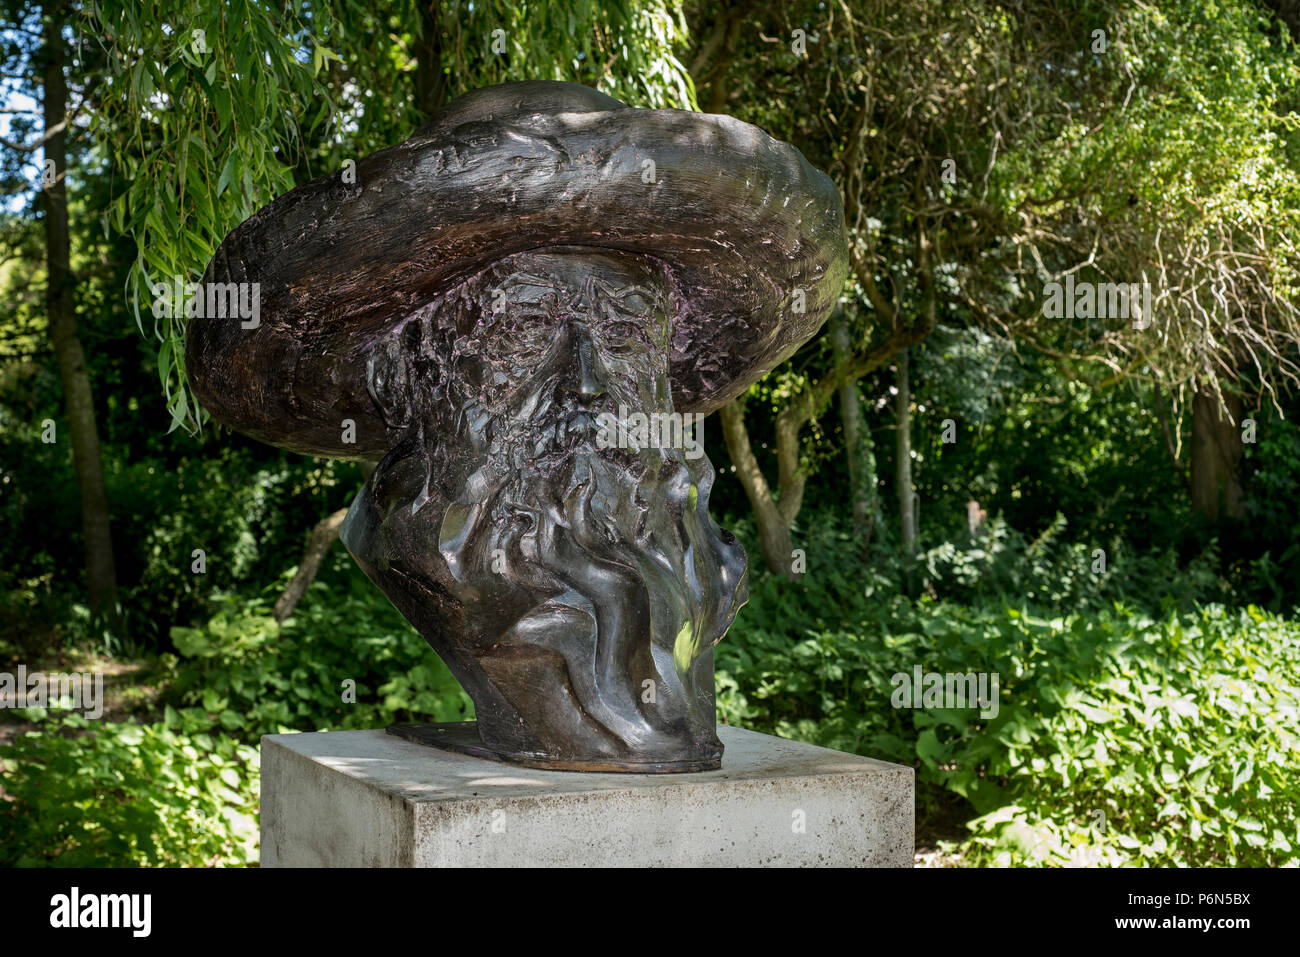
[248,514]
[578,41]
[1177,168]
[256,677]
[1169,742]
[1123,736]
[183,791]
[248,511]
[1141,721]
[200,116]
[89,794]
[1031,445]
[1270,538]
[999,562]
[30,512]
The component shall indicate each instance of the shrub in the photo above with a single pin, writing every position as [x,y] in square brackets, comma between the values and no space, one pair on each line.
[1122,736]
[184,790]
[173,793]
[1166,743]
[256,676]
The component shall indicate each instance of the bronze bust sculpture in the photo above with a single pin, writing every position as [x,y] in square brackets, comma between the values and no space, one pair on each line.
[535,261]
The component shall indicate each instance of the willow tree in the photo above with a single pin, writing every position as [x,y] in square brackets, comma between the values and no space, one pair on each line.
[1187,188]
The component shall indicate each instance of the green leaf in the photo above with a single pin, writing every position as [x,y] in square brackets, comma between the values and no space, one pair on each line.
[131,735]
[928,748]
[221,99]
[227,173]
[1243,773]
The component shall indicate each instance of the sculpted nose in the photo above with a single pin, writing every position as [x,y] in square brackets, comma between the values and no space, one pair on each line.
[589,374]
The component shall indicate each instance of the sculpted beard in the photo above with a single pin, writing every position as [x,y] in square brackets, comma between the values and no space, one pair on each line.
[612,561]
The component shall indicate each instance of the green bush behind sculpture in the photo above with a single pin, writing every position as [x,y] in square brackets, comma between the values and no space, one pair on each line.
[1122,737]
[184,791]
[118,794]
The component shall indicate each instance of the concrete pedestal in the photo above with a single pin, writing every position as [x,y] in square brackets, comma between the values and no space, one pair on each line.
[369,799]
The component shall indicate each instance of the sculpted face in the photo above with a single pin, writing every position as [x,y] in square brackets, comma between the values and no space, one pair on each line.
[559,348]
[575,590]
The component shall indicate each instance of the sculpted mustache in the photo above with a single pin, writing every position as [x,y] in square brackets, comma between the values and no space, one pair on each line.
[572,433]
[565,430]
[563,427]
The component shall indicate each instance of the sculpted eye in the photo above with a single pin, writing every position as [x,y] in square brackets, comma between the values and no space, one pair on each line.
[518,336]
[623,332]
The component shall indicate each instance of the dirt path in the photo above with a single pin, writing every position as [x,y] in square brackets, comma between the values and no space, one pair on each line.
[129,689]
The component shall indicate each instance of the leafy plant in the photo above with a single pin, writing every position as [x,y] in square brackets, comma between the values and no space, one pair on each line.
[85,794]
[346,659]
[1122,736]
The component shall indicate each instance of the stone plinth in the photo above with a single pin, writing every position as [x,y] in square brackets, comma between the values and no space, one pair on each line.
[369,799]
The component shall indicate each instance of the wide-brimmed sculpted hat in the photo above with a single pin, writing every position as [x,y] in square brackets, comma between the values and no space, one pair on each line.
[751,235]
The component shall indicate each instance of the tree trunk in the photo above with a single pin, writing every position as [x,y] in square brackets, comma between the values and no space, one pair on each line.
[101,574]
[711,80]
[322,537]
[430,80]
[903,458]
[857,440]
[1216,457]
[773,529]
